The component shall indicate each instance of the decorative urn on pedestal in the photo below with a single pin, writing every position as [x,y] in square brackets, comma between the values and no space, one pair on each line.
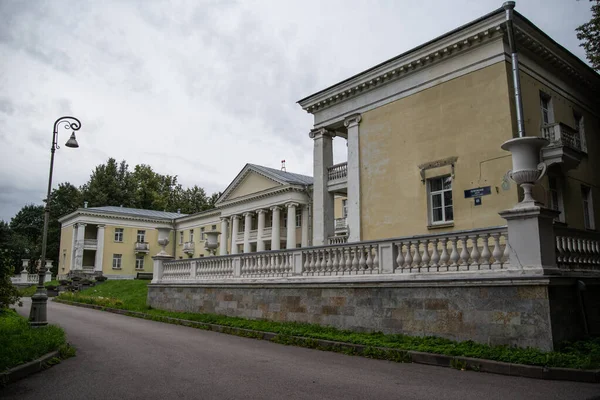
[527,169]
[163,240]
[212,241]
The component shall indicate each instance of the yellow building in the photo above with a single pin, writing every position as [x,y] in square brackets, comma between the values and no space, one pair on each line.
[262,209]
[424,129]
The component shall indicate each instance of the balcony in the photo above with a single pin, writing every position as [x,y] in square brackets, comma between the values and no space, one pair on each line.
[337,177]
[142,247]
[338,239]
[565,146]
[267,233]
[90,244]
[188,248]
[341,225]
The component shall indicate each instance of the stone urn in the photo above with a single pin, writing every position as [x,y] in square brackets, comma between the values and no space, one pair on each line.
[527,169]
[212,241]
[163,240]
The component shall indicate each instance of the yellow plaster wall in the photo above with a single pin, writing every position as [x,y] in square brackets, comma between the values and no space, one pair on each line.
[252,183]
[588,172]
[127,249]
[468,117]
[338,207]
[66,246]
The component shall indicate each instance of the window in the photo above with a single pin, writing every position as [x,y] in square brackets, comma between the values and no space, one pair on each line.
[555,197]
[588,207]
[141,236]
[191,235]
[181,237]
[214,227]
[298,219]
[117,261]
[139,262]
[546,108]
[344,208]
[118,234]
[440,200]
[202,233]
[269,221]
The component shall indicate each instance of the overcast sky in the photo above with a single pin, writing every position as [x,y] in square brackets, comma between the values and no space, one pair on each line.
[198,89]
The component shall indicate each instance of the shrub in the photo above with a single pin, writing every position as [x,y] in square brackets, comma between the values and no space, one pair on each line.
[9,294]
[101,278]
[63,282]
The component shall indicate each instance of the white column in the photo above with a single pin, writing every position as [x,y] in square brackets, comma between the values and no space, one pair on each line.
[323,216]
[353,218]
[276,230]
[235,227]
[291,226]
[99,249]
[79,246]
[73,248]
[223,248]
[305,226]
[260,243]
[247,227]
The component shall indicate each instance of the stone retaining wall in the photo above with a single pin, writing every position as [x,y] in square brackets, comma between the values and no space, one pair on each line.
[513,312]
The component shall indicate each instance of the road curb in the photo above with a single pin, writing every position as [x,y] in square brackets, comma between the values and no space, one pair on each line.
[384,353]
[24,370]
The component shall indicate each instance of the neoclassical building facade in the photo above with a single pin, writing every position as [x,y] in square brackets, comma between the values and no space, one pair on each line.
[262,209]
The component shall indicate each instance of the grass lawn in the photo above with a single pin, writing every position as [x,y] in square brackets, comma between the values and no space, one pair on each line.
[131,295]
[30,291]
[20,343]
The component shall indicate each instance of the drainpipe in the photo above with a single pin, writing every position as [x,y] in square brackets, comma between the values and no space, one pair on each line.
[509,6]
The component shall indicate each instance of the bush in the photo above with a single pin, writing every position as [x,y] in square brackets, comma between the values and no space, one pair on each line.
[101,278]
[9,294]
[64,282]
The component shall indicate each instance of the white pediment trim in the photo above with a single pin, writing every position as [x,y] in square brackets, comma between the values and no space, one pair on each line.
[248,169]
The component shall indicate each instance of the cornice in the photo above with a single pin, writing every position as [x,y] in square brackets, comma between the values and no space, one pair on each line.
[261,195]
[113,216]
[399,68]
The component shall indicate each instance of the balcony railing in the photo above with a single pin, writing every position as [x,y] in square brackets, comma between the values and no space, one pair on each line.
[142,247]
[188,247]
[338,239]
[560,134]
[337,171]
[480,250]
[267,233]
[341,224]
[90,243]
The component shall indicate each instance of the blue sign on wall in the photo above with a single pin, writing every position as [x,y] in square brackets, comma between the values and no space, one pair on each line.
[478,192]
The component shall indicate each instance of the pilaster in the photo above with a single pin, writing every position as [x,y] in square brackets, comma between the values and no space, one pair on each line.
[99,249]
[305,215]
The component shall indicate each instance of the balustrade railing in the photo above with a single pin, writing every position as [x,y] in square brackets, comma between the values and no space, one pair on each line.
[142,246]
[341,224]
[468,251]
[90,242]
[177,270]
[188,247]
[561,134]
[337,239]
[337,171]
[577,250]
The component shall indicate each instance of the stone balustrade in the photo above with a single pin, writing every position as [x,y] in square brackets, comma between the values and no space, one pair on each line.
[474,251]
[577,250]
[337,171]
[560,134]
[31,279]
[338,239]
[90,242]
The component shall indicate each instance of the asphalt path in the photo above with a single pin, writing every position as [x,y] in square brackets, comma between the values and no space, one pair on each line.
[121,357]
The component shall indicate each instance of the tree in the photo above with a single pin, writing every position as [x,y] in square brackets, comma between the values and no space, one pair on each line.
[8,293]
[26,233]
[109,185]
[589,34]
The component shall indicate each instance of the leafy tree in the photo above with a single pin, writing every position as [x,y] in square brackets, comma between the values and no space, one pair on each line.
[8,293]
[26,228]
[589,34]
[109,185]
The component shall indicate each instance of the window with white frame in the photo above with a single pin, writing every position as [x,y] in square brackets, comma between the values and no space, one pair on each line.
[181,237]
[588,207]
[546,108]
[440,200]
[202,233]
[344,208]
[141,236]
[555,197]
[117,258]
[298,219]
[191,235]
[139,262]
[118,234]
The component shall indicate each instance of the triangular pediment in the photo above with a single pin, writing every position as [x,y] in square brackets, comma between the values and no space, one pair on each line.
[248,182]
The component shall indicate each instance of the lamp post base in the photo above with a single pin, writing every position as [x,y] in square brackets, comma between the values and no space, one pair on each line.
[37,315]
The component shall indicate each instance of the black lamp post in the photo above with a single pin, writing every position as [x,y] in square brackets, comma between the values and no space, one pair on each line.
[37,315]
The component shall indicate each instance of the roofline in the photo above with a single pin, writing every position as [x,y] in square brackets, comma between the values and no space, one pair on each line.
[580,63]
[445,35]
[199,214]
[80,211]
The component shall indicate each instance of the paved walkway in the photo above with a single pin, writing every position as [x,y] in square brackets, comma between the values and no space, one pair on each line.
[121,357]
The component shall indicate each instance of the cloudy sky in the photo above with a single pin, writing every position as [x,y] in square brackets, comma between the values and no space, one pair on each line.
[198,88]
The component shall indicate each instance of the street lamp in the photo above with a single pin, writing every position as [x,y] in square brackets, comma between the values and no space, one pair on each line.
[37,315]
